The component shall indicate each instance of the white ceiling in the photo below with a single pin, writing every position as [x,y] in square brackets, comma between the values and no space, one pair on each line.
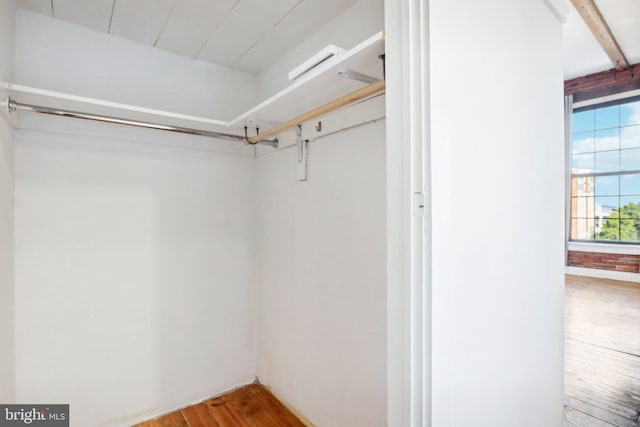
[246,35]
[582,53]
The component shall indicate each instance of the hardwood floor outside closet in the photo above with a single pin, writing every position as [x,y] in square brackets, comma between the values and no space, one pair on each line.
[602,353]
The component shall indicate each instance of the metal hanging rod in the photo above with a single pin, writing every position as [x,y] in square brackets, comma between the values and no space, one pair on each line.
[16,106]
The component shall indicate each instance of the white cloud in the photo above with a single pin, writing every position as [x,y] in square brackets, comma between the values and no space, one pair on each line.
[584,145]
[634,108]
[607,143]
[630,136]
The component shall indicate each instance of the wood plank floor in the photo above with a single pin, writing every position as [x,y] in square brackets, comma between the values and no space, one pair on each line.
[249,406]
[602,353]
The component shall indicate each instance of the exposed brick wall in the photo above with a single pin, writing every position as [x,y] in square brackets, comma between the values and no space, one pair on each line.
[603,261]
[604,83]
[592,86]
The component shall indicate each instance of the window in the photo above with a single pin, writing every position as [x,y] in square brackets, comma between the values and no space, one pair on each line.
[605,172]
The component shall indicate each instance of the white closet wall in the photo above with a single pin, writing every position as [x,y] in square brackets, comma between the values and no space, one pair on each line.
[134,247]
[133,263]
[321,252]
[7,349]
[321,278]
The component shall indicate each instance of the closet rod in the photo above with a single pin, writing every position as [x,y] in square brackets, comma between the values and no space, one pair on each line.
[359,94]
[16,106]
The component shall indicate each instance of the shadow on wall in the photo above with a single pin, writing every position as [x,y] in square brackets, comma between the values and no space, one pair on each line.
[132,265]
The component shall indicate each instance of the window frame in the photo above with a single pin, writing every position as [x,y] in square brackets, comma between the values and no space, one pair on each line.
[605,246]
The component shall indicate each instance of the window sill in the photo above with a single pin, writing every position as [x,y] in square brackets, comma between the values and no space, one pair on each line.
[607,248]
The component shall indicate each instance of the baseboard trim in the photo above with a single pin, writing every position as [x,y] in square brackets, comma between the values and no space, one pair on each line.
[603,274]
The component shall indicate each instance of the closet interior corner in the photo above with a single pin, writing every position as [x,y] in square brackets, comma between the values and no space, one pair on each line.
[199,201]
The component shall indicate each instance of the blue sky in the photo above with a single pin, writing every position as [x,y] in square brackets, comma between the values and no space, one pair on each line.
[606,140]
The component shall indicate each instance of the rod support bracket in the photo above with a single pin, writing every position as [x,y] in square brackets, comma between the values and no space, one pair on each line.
[271,143]
[274,143]
[302,146]
[11,105]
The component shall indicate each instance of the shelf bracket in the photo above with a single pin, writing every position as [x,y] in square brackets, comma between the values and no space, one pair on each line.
[302,146]
[359,77]
[384,66]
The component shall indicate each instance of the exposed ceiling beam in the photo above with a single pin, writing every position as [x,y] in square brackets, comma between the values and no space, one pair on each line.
[598,26]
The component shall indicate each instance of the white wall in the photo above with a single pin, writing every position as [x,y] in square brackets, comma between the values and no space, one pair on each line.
[321,252]
[320,276]
[133,266]
[59,56]
[7,349]
[354,25]
[497,203]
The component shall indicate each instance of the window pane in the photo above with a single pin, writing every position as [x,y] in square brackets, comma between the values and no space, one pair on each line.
[630,113]
[630,136]
[604,206]
[582,143]
[583,121]
[629,230]
[607,117]
[630,207]
[582,228]
[583,163]
[582,207]
[608,161]
[629,184]
[629,159]
[636,225]
[606,185]
[608,139]
[582,186]
[610,230]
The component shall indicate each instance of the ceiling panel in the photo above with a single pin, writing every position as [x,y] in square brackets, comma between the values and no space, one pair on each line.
[140,20]
[191,23]
[303,21]
[245,25]
[623,17]
[94,14]
[39,6]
